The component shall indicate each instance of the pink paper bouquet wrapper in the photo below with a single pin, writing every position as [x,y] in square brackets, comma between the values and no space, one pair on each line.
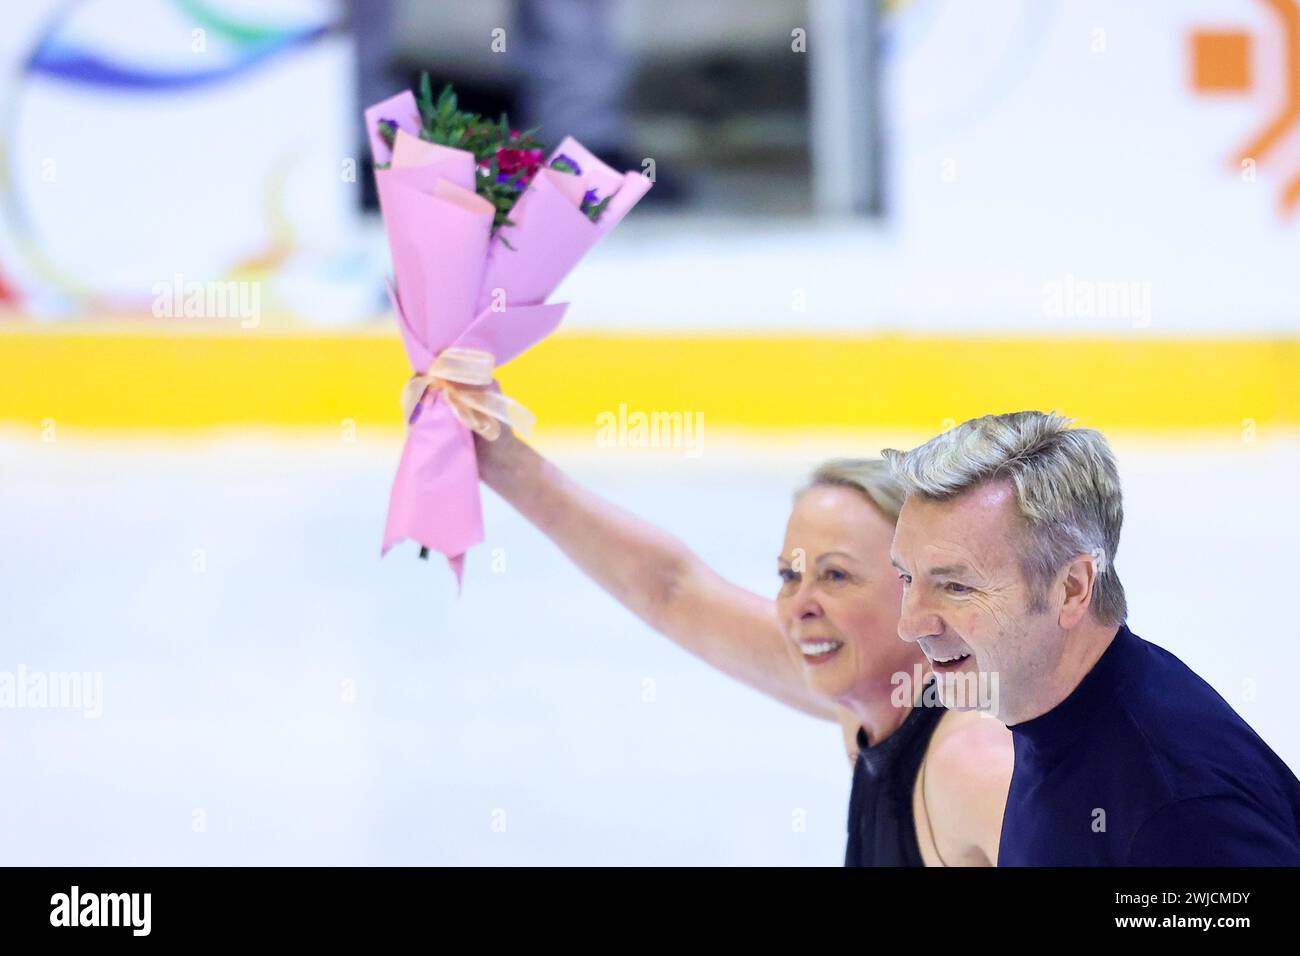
[458,286]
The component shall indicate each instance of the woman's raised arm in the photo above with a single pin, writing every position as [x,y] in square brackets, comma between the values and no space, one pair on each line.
[652,574]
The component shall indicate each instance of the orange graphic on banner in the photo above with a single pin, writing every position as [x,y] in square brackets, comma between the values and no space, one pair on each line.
[1221,63]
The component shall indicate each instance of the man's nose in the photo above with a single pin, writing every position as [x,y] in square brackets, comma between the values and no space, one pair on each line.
[915,619]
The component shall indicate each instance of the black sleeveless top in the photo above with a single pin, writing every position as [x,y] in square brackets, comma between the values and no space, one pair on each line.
[882,828]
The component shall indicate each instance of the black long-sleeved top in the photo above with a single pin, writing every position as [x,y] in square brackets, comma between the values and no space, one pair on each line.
[1144,764]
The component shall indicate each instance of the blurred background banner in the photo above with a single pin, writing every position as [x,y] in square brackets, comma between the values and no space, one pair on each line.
[871,220]
[112,112]
[1164,133]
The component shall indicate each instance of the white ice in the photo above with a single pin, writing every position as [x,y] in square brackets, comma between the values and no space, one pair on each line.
[274,693]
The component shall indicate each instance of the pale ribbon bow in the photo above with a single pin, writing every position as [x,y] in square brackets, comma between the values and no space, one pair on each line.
[464,376]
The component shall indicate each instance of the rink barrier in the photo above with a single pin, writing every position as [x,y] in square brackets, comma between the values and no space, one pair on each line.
[146,376]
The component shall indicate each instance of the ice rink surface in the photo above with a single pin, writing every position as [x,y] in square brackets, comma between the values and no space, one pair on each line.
[273,693]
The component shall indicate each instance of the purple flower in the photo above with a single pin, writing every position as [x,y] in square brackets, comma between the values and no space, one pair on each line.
[565,164]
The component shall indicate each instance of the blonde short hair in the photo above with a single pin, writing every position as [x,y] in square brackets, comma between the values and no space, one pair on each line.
[1066,483]
[871,477]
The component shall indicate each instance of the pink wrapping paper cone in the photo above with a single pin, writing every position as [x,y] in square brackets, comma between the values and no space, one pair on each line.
[456,285]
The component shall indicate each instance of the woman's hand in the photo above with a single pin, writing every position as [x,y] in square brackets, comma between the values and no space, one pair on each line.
[496,456]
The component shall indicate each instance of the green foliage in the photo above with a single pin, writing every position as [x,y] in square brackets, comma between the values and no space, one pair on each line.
[595,210]
[443,122]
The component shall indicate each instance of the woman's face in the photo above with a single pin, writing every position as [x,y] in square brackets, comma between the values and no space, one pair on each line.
[840,597]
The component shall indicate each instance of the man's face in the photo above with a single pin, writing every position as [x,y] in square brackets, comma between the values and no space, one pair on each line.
[966,601]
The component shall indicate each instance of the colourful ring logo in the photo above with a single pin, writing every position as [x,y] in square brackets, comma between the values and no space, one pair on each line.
[237,49]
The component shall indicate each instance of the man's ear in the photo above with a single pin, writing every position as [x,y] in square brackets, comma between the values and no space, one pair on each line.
[1080,578]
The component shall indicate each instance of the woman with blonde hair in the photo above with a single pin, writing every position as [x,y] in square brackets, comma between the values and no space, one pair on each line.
[929,784]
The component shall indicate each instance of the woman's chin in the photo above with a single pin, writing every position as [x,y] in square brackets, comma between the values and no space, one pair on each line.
[829,674]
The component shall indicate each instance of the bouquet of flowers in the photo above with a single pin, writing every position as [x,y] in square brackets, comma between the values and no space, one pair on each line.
[481,229]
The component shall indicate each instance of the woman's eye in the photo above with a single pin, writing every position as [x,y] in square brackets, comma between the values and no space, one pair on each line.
[906,579]
[834,574]
[787,575]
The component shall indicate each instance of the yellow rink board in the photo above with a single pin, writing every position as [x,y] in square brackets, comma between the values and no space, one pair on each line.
[153,376]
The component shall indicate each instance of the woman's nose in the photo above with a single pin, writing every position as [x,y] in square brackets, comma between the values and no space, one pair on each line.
[806,603]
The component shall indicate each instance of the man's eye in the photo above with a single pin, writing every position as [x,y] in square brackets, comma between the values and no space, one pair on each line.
[954,588]
[906,579]
[834,574]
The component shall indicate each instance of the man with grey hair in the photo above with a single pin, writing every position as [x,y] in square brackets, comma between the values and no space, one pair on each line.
[1123,756]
